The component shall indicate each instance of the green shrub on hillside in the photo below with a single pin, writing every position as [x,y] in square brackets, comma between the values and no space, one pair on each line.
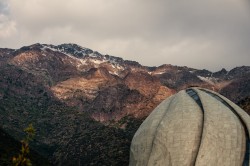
[22,158]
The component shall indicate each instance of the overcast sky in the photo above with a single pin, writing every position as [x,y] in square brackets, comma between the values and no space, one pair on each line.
[211,34]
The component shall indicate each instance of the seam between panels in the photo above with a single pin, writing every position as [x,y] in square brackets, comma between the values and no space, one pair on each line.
[247,151]
[158,127]
[195,96]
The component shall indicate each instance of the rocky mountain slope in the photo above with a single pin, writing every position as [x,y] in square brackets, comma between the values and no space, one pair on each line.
[86,106]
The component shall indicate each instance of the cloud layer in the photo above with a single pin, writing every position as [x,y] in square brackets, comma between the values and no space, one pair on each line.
[197,33]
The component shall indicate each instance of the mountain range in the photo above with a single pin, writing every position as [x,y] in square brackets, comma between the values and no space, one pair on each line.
[86,106]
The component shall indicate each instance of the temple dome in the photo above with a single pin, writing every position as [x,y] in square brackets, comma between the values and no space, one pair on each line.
[193,127]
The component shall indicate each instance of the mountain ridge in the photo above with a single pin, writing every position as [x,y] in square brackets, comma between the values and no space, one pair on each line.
[73,94]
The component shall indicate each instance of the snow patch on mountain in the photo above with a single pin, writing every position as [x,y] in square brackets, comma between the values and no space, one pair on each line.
[159,72]
[206,79]
[85,56]
[114,73]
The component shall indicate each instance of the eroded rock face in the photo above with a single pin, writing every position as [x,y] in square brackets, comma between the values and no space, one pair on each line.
[82,78]
[194,127]
[79,77]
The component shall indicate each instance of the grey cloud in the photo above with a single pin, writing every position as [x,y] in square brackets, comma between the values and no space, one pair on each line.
[4,7]
[196,33]
[7,26]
